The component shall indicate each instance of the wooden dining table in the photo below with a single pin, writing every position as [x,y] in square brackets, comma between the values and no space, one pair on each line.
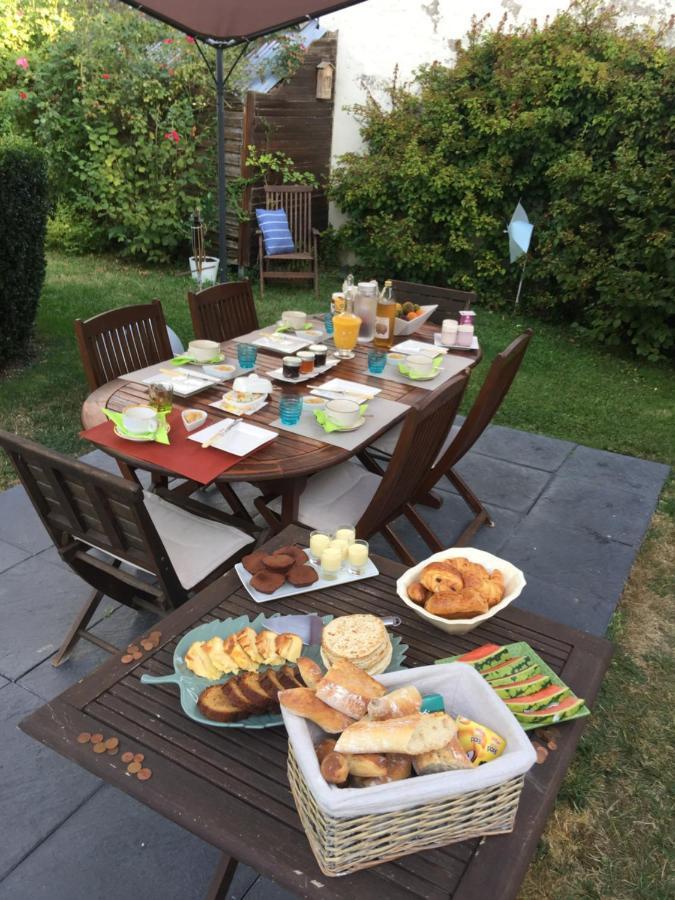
[283,466]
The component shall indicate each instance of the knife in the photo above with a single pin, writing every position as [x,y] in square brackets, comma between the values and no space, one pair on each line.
[310,625]
[218,434]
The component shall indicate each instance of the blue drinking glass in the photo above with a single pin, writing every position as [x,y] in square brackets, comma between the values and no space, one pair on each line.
[377,360]
[328,323]
[290,409]
[246,354]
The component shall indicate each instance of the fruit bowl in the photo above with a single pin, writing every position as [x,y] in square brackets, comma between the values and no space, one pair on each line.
[514,582]
[403,326]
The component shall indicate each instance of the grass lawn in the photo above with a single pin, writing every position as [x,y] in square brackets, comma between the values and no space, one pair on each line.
[607,837]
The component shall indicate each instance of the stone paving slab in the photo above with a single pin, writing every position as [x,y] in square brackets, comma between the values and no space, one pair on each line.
[10,556]
[504,484]
[39,788]
[19,523]
[578,609]
[616,471]
[3,682]
[522,447]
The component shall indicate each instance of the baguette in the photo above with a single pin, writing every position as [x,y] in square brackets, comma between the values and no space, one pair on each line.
[348,689]
[448,758]
[367,765]
[304,702]
[411,735]
[405,701]
[335,768]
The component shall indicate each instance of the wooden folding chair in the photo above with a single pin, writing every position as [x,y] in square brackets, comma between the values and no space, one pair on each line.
[353,492]
[296,199]
[448,300]
[223,312]
[496,386]
[119,341]
[100,522]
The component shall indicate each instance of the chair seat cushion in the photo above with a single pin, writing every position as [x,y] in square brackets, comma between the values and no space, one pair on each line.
[196,546]
[336,496]
[386,443]
[276,234]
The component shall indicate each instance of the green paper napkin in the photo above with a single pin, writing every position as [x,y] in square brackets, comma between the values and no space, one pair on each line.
[184,359]
[280,329]
[329,426]
[404,370]
[161,435]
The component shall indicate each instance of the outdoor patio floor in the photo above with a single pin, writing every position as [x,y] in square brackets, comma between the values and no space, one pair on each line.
[571,517]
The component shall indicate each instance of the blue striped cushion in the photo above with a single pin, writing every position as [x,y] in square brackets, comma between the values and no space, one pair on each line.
[276,234]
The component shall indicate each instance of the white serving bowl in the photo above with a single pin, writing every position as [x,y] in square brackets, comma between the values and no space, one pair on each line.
[403,326]
[514,582]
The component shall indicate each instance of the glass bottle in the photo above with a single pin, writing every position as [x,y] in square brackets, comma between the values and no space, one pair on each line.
[385,319]
[365,307]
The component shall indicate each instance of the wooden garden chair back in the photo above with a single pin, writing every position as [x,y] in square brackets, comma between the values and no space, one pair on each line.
[296,199]
[122,340]
[223,312]
[449,301]
[424,431]
[85,509]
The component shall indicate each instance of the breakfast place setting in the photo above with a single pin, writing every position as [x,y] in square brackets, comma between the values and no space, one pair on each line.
[362,717]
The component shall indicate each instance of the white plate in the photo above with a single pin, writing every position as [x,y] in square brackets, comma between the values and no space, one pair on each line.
[239,440]
[411,347]
[199,362]
[183,385]
[278,374]
[283,343]
[423,377]
[473,345]
[137,439]
[343,389]
[241,410]
[287,590]
[514,582]
[344,428]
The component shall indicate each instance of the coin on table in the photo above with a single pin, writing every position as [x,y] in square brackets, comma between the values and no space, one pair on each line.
[132,648]
[96,738]
[144,774]
[139,757]
[127,757]
[127,658]
[133,768]
[83,738]
[155,636]
[147,645]
[112,743]
[138,655]
[113,752]
[99,748]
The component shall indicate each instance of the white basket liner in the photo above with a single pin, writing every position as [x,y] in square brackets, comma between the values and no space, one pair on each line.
[465,693]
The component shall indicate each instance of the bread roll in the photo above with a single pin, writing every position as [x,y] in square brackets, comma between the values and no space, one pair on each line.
[448,758]
[323,748]
[417,592]
[399,766]
[310,672]
[409,734]
[304,702]
[464,605]
[348,689]
[367,765]
[405,701]
[335,768]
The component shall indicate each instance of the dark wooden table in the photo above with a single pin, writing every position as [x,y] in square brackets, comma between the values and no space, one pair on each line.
[286,463]
[229,785]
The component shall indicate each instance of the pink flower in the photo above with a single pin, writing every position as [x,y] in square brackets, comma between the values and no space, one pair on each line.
[23,95]
[168,40]
[171,71]
[190,39]
[172,136]
[22,62]
[105,76]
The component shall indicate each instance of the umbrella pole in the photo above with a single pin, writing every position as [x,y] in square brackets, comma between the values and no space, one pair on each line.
[520,284]
[222,210]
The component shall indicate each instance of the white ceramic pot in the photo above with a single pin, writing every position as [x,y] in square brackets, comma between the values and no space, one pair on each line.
[209,269]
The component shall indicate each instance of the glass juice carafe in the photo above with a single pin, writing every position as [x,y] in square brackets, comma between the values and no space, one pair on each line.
[365,307]
[346,327]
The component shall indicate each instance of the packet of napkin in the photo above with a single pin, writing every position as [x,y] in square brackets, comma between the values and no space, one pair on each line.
[161,435]
[329,426]
[185,359]
[404,370]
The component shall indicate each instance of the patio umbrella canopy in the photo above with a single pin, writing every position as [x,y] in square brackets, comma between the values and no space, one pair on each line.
[226,23]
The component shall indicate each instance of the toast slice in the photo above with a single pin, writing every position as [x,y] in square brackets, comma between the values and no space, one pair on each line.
[271,678]
[215,650]
[266,642]
[246,702]
[250,687]
[198,662]
[214,705]
[241,658]
[246,639]
[289,646]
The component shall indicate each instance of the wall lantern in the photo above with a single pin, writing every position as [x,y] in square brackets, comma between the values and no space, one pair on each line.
[324,80]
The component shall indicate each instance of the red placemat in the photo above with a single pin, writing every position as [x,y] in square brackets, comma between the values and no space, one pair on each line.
[181,456]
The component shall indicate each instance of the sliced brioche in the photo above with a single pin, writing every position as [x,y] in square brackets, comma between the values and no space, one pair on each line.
[218,656]
[197,660]
[266,643]
[410,735]
[304,702]
[289,646]
[246,638]
[241,659]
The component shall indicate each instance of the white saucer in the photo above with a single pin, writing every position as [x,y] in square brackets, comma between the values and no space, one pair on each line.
[423,377]
[200,362]
[353,427]
[136,439]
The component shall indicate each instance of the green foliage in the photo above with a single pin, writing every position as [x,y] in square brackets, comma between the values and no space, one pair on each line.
[24,203]
[573,117]
[266,167]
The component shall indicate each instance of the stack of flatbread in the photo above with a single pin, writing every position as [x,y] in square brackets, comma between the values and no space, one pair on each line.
[360,639]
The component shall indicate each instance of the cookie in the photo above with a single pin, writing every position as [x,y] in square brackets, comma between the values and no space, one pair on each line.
[302,576]
[278,562]
[267,582]
[253,562]
[298,555]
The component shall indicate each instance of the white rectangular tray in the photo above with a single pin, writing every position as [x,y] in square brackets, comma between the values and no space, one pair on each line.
[278,374]
[283,343]
[287,590]
[183,387]
[472,346]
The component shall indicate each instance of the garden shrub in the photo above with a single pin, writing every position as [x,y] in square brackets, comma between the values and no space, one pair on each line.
[574,118]
[24,201]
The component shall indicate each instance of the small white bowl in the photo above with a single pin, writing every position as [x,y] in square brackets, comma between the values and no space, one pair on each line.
[514,582]
[395,358]
[203,351]
[312,404]
[223,370]
[191,424]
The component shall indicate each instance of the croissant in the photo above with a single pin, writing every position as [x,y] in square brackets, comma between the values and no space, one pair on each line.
[456,604]
[441,576]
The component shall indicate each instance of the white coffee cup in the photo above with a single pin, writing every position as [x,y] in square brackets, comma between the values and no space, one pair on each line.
[420,364]
[343,412]
[294,319]
[203,351]
[140,419]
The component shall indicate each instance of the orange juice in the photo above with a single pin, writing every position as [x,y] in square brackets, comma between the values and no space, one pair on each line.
[346,330]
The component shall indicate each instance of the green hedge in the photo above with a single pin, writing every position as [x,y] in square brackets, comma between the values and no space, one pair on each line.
[575,119]
[24,206]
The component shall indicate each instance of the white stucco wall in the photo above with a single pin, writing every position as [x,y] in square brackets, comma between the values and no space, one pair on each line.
[376,35]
